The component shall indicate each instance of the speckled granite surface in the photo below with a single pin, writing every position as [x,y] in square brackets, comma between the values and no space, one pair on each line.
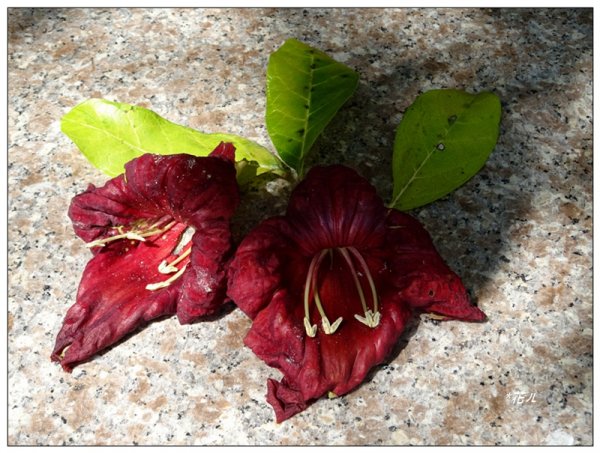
[519,233]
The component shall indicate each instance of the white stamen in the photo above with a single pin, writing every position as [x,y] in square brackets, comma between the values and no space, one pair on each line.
[311,330]
[168,268]
[186,237]
[134,236]
[330,328]
[165,268]
[361,293]
[365,267]
[370,319]
[158,285]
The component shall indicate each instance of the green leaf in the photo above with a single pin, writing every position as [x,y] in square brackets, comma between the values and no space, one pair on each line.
[305,89]
[110,134]
[444,139]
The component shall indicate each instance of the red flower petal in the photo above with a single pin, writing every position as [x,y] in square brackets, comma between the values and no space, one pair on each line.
[335,207]
[422,278]
[312,367]
[112,299]
[263,261]
[159,197]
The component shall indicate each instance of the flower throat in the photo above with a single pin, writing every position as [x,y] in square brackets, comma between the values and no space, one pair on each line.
[140,230]
[351,257]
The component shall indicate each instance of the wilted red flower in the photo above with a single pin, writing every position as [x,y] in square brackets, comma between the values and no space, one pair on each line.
[331,285]
[160,235]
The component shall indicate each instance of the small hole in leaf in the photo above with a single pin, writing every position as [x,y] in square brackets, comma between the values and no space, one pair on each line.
[300,131]
[440,147]
[431,293]
[451,120]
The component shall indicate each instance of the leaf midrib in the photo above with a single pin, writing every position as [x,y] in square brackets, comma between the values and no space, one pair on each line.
[105,132]
[307,113]
[429,154]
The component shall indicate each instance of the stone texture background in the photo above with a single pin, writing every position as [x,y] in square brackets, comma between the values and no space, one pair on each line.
[519,233]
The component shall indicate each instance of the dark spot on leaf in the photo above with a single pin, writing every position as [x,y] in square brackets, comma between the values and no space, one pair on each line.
[344,76]
[313,66]
[306,106]
[290,140]
[310,51]
[431,293]
[451,120]
[305,87]
[300,131]
[440,147]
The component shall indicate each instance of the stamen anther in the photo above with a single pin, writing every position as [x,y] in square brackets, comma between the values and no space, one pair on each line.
[330,328]
[64,351]
[370,319]
[311,330]
[159,285]
[134,236]
[169,268]
[166,268]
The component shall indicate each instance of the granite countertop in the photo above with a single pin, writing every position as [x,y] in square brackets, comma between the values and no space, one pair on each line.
[519,233]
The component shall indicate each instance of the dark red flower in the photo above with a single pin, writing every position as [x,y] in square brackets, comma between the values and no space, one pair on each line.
[330,286]
[145,265]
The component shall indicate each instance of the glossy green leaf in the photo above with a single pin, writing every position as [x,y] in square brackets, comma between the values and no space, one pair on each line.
[305,89]
[444,139]
[110,134]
